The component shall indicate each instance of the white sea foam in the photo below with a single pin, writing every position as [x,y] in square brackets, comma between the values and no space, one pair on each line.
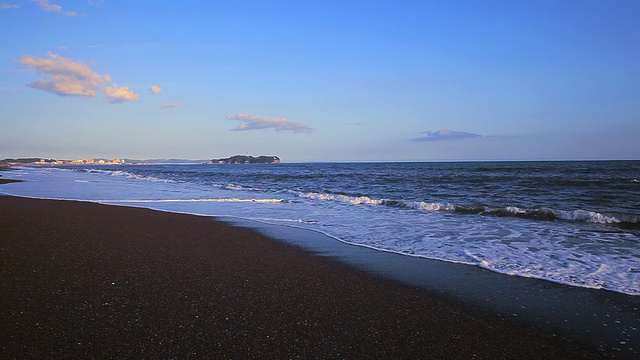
[354,200]
[589,216]
[278,220]
[550,214]
[240,187]
[515,210]
[131,175]
[435,206]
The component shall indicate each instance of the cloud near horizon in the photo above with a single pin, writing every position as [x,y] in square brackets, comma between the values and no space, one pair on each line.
[155,89]
[253,122]
[66,77]
[443,135]
[170,105]
[116,95]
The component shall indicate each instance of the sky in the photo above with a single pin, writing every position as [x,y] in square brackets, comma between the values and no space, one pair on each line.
[320,80]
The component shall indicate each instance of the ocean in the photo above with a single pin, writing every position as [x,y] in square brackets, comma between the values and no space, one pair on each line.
[574,223]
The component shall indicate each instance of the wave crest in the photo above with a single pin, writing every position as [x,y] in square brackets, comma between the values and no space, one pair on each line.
[358,200]
[128,175]
[544,214]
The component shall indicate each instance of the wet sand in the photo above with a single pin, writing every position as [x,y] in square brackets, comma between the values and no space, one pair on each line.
[96,281]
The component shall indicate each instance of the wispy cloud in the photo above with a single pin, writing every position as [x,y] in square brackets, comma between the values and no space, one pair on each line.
[116,95]
[170,105]
[443,135]
[155,89]
[8,6]
[46,6]
[253,122]
[66,77]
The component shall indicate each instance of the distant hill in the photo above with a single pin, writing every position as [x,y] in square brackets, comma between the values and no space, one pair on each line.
[247,159]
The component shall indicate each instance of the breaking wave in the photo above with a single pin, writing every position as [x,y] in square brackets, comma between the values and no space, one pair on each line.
[239,187]
[630,221]
[343,198]
[126,174]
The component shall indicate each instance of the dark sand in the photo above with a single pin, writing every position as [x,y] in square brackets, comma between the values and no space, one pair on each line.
[83,280]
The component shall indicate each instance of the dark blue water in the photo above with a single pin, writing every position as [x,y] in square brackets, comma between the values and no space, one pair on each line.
[611,188]
[576,223]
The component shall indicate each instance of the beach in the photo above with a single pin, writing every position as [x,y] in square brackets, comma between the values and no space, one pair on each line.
[88,280]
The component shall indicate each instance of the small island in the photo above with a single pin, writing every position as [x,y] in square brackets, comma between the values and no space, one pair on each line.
[247,159]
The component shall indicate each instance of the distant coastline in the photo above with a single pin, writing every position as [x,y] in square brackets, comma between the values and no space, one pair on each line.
[37,161]
[236,159]
[43,161]
[93,161]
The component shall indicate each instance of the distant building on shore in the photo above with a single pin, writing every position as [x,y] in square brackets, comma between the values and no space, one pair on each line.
[89,161]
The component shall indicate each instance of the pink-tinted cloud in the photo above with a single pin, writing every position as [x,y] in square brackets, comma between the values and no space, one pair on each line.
[116,95]
[66,77]
[46,6]
[170,105]
[8,6]
[155,89]
[253,122]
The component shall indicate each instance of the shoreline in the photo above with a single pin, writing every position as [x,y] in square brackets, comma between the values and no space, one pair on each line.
[211,289]
[6,181]
[602,317]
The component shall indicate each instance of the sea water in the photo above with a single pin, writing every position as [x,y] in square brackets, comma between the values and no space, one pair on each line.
[575,223]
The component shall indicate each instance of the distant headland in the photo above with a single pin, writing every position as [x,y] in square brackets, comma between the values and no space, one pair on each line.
[247,159]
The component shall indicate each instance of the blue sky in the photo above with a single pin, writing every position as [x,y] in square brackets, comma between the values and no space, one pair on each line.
[321,80]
